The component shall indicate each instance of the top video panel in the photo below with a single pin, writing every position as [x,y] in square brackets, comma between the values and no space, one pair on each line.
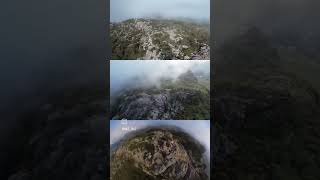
[160,29]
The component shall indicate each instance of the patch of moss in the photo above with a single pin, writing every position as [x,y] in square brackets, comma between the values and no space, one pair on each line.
[129,171]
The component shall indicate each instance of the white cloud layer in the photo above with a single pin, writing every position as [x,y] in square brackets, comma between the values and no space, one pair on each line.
[122,72]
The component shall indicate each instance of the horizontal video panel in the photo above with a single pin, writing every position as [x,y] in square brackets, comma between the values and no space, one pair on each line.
[155,149]
[160,30]
[163,90]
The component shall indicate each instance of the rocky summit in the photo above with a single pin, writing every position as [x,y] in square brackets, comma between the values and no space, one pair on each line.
[160,39]
[187,97]
[188,77]
[159,153]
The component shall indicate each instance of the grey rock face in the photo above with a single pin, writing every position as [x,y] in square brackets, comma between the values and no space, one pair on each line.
[153,106]
[172,99]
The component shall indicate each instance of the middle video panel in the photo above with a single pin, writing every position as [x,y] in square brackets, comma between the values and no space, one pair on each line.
[160,90]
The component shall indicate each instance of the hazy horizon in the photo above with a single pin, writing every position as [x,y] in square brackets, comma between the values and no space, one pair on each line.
[121,10]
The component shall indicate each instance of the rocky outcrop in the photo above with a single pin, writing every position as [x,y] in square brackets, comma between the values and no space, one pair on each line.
[188,77]
[165,104]
[184,98]
[160,153]
[159,39]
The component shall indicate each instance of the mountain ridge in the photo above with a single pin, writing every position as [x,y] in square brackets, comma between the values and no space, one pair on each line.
[149,39]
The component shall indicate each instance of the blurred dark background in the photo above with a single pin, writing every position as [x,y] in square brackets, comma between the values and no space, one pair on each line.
[54,89]
[54,79]
[266,98]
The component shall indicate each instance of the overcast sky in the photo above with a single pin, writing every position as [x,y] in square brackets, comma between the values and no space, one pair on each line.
[125,9]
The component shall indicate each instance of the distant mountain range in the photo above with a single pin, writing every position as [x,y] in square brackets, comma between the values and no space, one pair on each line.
[160,39]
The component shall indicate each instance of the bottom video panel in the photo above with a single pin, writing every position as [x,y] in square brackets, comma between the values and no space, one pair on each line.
[158,149]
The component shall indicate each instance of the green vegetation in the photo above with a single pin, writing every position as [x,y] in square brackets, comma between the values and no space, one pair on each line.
[130,172]
[196,150]
[126,45]
[141,144]
[196,106]
[133,158]
[186,86]
[131,38]
[184,98]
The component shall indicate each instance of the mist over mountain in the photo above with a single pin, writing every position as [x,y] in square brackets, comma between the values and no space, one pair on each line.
[160,90]
[166,30]
[187,97]
[126,9]
[124,74]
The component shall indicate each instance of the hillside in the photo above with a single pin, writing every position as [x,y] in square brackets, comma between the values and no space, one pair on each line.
[187,97]
[158,153]
[159,39]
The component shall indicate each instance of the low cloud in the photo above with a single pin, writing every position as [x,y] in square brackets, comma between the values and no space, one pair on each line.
[147,73]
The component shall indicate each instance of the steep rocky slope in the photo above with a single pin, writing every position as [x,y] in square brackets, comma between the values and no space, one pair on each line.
[159,39]
[158,153]
[184,98]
